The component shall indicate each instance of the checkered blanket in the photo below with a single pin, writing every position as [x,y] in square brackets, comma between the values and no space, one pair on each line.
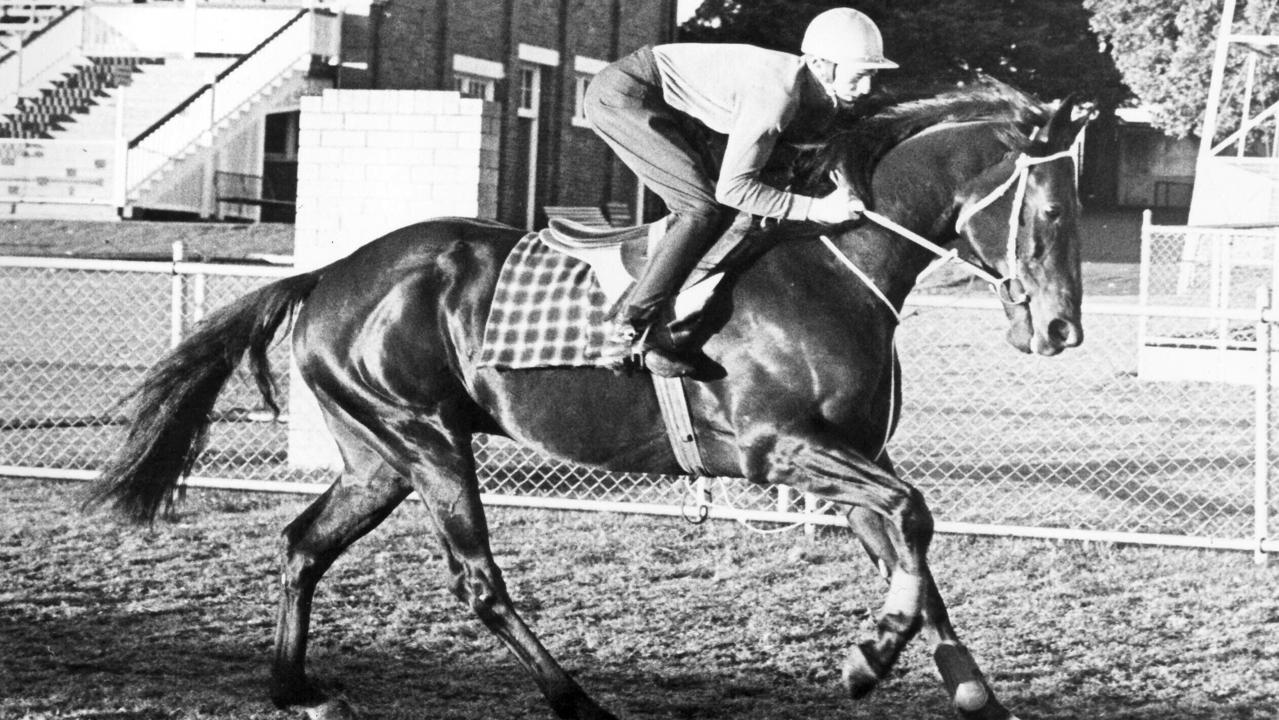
[548,311]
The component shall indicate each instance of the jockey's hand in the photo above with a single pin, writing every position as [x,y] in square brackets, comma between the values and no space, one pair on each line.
[855,207]
[837,207]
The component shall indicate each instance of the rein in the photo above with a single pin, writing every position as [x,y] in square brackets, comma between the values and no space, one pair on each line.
[1002,286]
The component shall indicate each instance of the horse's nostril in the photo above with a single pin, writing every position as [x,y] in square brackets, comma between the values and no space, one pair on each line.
[1064,333]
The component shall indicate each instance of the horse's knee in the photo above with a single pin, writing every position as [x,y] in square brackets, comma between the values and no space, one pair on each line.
[299,568]
[482,592]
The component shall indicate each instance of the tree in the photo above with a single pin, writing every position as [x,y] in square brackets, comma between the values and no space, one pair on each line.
[1042,46]
[1165,52]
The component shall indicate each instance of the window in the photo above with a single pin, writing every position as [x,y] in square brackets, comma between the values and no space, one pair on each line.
[476,77]
[585,69]
[530,91]
[471,86]
[579,106]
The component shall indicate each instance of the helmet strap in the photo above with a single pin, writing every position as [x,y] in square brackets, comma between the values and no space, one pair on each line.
[824,71]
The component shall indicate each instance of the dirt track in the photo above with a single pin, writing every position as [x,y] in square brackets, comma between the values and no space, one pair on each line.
[658,618]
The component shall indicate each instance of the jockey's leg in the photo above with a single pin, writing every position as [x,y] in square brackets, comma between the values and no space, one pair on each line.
[688,235]
[624,104]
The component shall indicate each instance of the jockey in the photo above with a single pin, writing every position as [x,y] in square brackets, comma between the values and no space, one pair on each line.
[640,106]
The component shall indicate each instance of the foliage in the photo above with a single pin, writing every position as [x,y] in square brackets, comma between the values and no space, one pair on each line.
[1045,47]
[1165,52]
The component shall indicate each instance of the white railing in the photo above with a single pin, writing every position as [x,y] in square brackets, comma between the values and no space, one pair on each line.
[193,123]
[150,30]
[180,29]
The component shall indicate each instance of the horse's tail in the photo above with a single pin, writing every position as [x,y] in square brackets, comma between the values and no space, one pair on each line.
[173,403]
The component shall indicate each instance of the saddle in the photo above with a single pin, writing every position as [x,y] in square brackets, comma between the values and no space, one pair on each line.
[616,255]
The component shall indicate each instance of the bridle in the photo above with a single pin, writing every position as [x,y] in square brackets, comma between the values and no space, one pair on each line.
[1009,288]
[1020,178]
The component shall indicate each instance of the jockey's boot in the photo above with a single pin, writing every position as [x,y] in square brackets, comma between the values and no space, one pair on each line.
[626,349]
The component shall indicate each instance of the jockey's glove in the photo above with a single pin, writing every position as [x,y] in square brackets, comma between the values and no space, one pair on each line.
[837,207]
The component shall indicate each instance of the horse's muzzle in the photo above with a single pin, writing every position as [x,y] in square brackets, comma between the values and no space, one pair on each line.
[1029,332]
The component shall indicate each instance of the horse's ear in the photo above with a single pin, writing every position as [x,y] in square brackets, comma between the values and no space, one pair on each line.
[1068,119]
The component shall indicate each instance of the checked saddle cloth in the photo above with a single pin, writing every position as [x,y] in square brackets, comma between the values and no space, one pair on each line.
[556,289]
[548,311]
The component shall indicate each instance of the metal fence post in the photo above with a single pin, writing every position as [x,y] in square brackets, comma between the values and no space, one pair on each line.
[177,298]
[1261,480]
[120,191]
[199,296]
[1143,281]
[783,498]
[811,508]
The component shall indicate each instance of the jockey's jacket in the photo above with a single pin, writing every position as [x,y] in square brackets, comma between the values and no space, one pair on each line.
[755,97]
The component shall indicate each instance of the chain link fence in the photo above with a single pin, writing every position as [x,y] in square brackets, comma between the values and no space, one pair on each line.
[1080,445]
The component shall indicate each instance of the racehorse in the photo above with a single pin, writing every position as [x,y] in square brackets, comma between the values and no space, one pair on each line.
[386,339]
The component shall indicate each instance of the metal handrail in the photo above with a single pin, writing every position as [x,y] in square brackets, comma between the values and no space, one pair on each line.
[43,29]
[21,84]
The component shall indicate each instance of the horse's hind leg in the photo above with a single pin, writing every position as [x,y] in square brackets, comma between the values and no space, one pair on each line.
[445,479]
[361,499]
[965,684]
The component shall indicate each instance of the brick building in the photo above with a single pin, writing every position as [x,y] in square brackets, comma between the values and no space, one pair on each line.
[534,58]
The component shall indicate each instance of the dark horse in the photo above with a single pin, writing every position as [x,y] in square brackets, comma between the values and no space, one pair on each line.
[386,339]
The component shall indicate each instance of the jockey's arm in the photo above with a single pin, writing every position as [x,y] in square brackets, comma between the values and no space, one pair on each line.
[750,143]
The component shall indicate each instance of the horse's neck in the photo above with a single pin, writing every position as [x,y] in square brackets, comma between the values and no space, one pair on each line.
[917,192]
[890,260]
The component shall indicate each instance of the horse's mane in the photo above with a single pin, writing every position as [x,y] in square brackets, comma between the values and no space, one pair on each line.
[863,135]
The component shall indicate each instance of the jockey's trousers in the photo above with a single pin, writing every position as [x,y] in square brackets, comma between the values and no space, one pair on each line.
[624,104]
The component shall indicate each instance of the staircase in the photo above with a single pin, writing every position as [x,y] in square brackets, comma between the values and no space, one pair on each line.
[104,119]
[70,97]
[172,164]
[152,89]
[176,180]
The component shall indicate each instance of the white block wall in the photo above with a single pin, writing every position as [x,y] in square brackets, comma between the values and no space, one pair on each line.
[372,161]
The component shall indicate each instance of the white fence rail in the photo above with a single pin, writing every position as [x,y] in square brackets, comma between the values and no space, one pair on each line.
[1077,446]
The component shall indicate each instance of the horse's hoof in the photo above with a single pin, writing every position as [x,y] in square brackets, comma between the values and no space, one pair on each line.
[859,675]
[971,696]
[331,710]
[979,704]
[285,696]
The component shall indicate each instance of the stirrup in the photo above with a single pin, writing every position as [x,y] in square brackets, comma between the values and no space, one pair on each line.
[664,364]
[632,352]
[618,353]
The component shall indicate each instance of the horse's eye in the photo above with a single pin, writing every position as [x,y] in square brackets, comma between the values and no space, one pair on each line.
[1052,212]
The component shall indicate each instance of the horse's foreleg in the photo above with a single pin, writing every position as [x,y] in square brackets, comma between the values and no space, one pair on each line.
[355,504]
[445,479]
[967,687]
[830,470]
